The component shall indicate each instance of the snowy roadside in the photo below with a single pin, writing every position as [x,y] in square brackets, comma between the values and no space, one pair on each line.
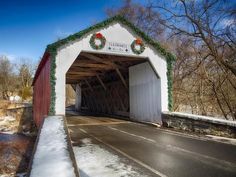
[95,161]
[222,139]
[52,156]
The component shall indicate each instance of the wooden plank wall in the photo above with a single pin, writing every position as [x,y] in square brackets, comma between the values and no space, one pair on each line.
[41,98]
[145,93]
[114,100]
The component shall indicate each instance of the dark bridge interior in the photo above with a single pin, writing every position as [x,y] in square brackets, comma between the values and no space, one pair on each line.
[104,82]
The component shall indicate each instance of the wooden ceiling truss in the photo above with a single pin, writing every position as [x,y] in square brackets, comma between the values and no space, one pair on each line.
[104,82]
[92,69]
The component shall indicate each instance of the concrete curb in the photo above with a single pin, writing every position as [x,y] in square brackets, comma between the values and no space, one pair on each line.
[208,119]
[70,148]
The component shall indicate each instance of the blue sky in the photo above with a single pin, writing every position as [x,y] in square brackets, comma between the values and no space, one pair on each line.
[27,26]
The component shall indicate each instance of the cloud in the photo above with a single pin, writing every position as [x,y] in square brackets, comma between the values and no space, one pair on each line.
[11,57]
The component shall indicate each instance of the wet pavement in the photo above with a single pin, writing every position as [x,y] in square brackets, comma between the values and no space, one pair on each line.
[147,150]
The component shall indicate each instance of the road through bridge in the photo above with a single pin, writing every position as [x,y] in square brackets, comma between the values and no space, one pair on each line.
[112,147]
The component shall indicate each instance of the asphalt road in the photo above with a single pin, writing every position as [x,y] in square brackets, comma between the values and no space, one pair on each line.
[151,151]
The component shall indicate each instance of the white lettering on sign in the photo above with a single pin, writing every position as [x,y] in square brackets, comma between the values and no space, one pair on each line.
[118,47]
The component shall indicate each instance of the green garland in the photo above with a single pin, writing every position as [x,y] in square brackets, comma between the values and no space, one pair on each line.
[52,49]
[170,60]
[92,42]
[53,53]
[142,47]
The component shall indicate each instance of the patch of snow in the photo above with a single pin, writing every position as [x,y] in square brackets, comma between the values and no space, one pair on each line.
[223,139]
[52,156]
[13,175]
[202,118]
[8,124]
[21,174]
[3,175]
[28,133]
[6,119]
[6,175]
[15,98]
[2,122]
[8,132]
[95,161]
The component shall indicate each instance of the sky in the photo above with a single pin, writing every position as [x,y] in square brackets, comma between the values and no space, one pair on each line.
[28,26]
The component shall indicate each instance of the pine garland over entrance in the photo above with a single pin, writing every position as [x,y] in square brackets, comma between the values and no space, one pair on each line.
[52,49]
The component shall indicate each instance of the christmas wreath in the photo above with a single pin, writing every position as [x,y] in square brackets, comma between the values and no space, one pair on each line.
[137,46]
[97,41]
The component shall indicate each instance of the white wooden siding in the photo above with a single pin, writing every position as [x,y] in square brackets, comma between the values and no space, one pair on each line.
[145,93]
[117,32]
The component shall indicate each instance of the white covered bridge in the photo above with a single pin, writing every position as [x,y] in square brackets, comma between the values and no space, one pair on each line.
[115,69]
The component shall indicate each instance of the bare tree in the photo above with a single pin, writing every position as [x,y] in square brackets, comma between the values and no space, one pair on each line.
[7,77]
[26,68]
[210,23]
[209,27]
[202,34]
[141,16]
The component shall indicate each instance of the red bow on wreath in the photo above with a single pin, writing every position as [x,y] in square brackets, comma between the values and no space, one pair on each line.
[99,35]
[138,41]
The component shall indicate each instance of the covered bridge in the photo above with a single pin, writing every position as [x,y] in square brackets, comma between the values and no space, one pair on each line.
[115,69]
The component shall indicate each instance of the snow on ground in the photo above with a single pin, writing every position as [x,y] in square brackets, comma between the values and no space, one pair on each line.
[223,139]
[203,118]
[95,161]
[4,120]
[14,175]
[8,124]
[52,156]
